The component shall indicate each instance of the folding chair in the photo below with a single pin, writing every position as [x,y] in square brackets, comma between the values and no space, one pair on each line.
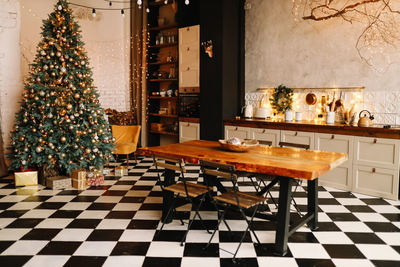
[183,189]
[233,199]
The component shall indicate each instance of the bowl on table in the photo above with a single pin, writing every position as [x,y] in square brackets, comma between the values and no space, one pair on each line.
[238,145]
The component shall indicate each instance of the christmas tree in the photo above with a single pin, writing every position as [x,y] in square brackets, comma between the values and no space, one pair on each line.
[60,124]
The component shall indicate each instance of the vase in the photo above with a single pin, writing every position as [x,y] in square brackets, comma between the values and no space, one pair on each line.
[288,115]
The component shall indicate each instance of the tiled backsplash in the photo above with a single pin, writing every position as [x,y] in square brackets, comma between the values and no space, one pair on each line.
[384,105]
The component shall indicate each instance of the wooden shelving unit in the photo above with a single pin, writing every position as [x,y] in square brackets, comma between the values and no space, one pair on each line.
[163,45]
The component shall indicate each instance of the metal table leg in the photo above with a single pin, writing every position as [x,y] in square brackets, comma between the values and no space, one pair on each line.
[312,203]
[283,216]
[169,178]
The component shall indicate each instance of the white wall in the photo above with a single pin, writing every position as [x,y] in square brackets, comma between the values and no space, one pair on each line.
[306,53]
[10,74]
[107,39]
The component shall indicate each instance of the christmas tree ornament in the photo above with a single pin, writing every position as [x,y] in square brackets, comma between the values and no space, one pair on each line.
[38,149]
[45,67]
[63,139]
[21,138]
[52,54]
[43,53]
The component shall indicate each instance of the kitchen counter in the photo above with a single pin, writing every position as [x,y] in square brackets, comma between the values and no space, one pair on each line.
[320,127]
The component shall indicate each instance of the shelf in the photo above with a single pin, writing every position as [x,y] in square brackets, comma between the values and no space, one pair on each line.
[166,133]
[164,27]
[163,45]
[163,115]
[162,80]
[164,97]
[315,88]
[163,63]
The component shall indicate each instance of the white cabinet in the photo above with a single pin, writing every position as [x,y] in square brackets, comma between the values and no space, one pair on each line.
[377,151]
[341,176]
[189,131]
[268,135]
[235,131]
[377,182]
[297,137]
[376,167]
[189,56]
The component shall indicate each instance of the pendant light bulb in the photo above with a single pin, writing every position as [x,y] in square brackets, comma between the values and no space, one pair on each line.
[148,10]
[122,13]
[93,12]
[187,2]
[166,2]
[139,2]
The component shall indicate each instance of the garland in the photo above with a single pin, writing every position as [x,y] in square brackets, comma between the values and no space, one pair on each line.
[282,99]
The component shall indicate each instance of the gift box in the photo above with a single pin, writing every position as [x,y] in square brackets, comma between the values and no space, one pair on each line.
[95,177]
[121,171]
[58,182]
[79,184]
[27,177]
[79,179]
[78,174]
[95,181]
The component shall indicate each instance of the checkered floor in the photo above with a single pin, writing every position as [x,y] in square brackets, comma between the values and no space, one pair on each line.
[115,225]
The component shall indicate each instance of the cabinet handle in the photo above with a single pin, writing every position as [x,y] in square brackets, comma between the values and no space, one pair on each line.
[188,124]
[188,48]
[375,140]
[187,29]
[333,136]
[188,68]
[373,170]
[236,128]
[295,134]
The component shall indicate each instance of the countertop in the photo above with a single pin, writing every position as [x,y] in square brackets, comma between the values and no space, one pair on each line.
[317,126]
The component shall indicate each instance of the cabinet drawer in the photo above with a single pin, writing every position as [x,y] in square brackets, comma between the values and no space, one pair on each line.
[377,182]
[189,131]
[189,35]
[340,177]
[304,138]
[266,135]
[335,143]
[239,132]
[189,78]
[377,151]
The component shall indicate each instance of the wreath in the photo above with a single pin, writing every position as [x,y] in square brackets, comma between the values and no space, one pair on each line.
[282,99]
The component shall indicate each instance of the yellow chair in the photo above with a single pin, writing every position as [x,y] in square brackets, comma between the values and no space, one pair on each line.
[126,139]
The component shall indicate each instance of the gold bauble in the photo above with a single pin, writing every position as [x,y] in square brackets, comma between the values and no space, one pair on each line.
[25,120]
[38,149]
[21,138]
[69,106]
[34,130]
[87,150]
[63,139]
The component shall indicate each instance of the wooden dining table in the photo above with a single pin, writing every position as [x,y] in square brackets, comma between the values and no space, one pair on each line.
[285,164]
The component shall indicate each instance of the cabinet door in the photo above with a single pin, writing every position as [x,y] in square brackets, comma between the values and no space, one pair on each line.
[189,56]
[189,131]
[239,132]
[376,151]
[377,182]
[297,137]
[266,135]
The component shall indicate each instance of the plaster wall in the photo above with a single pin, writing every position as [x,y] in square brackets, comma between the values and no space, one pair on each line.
[10,74]
[308,54]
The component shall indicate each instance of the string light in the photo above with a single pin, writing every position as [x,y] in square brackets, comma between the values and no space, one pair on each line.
[94,12]
[148,10]
[139,2]
[166,2]
[187,2]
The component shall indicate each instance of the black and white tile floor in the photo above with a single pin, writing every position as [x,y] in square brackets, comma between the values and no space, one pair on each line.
[115,224]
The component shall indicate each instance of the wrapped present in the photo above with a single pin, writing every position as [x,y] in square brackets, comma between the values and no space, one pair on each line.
[78,174]
[58,182]
[79,179]
[79,184]
[27,177]
[95,177]
[95,181]
[121,171]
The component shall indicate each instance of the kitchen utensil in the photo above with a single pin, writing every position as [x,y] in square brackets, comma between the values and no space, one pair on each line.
[248,111]
[339,102]
[366,119]
[311,99]
[245,145]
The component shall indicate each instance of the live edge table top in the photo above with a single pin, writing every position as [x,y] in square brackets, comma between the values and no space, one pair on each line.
[281,161]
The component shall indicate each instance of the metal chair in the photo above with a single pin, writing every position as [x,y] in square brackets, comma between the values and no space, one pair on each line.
[298,182]
[233,199]
[183,189]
